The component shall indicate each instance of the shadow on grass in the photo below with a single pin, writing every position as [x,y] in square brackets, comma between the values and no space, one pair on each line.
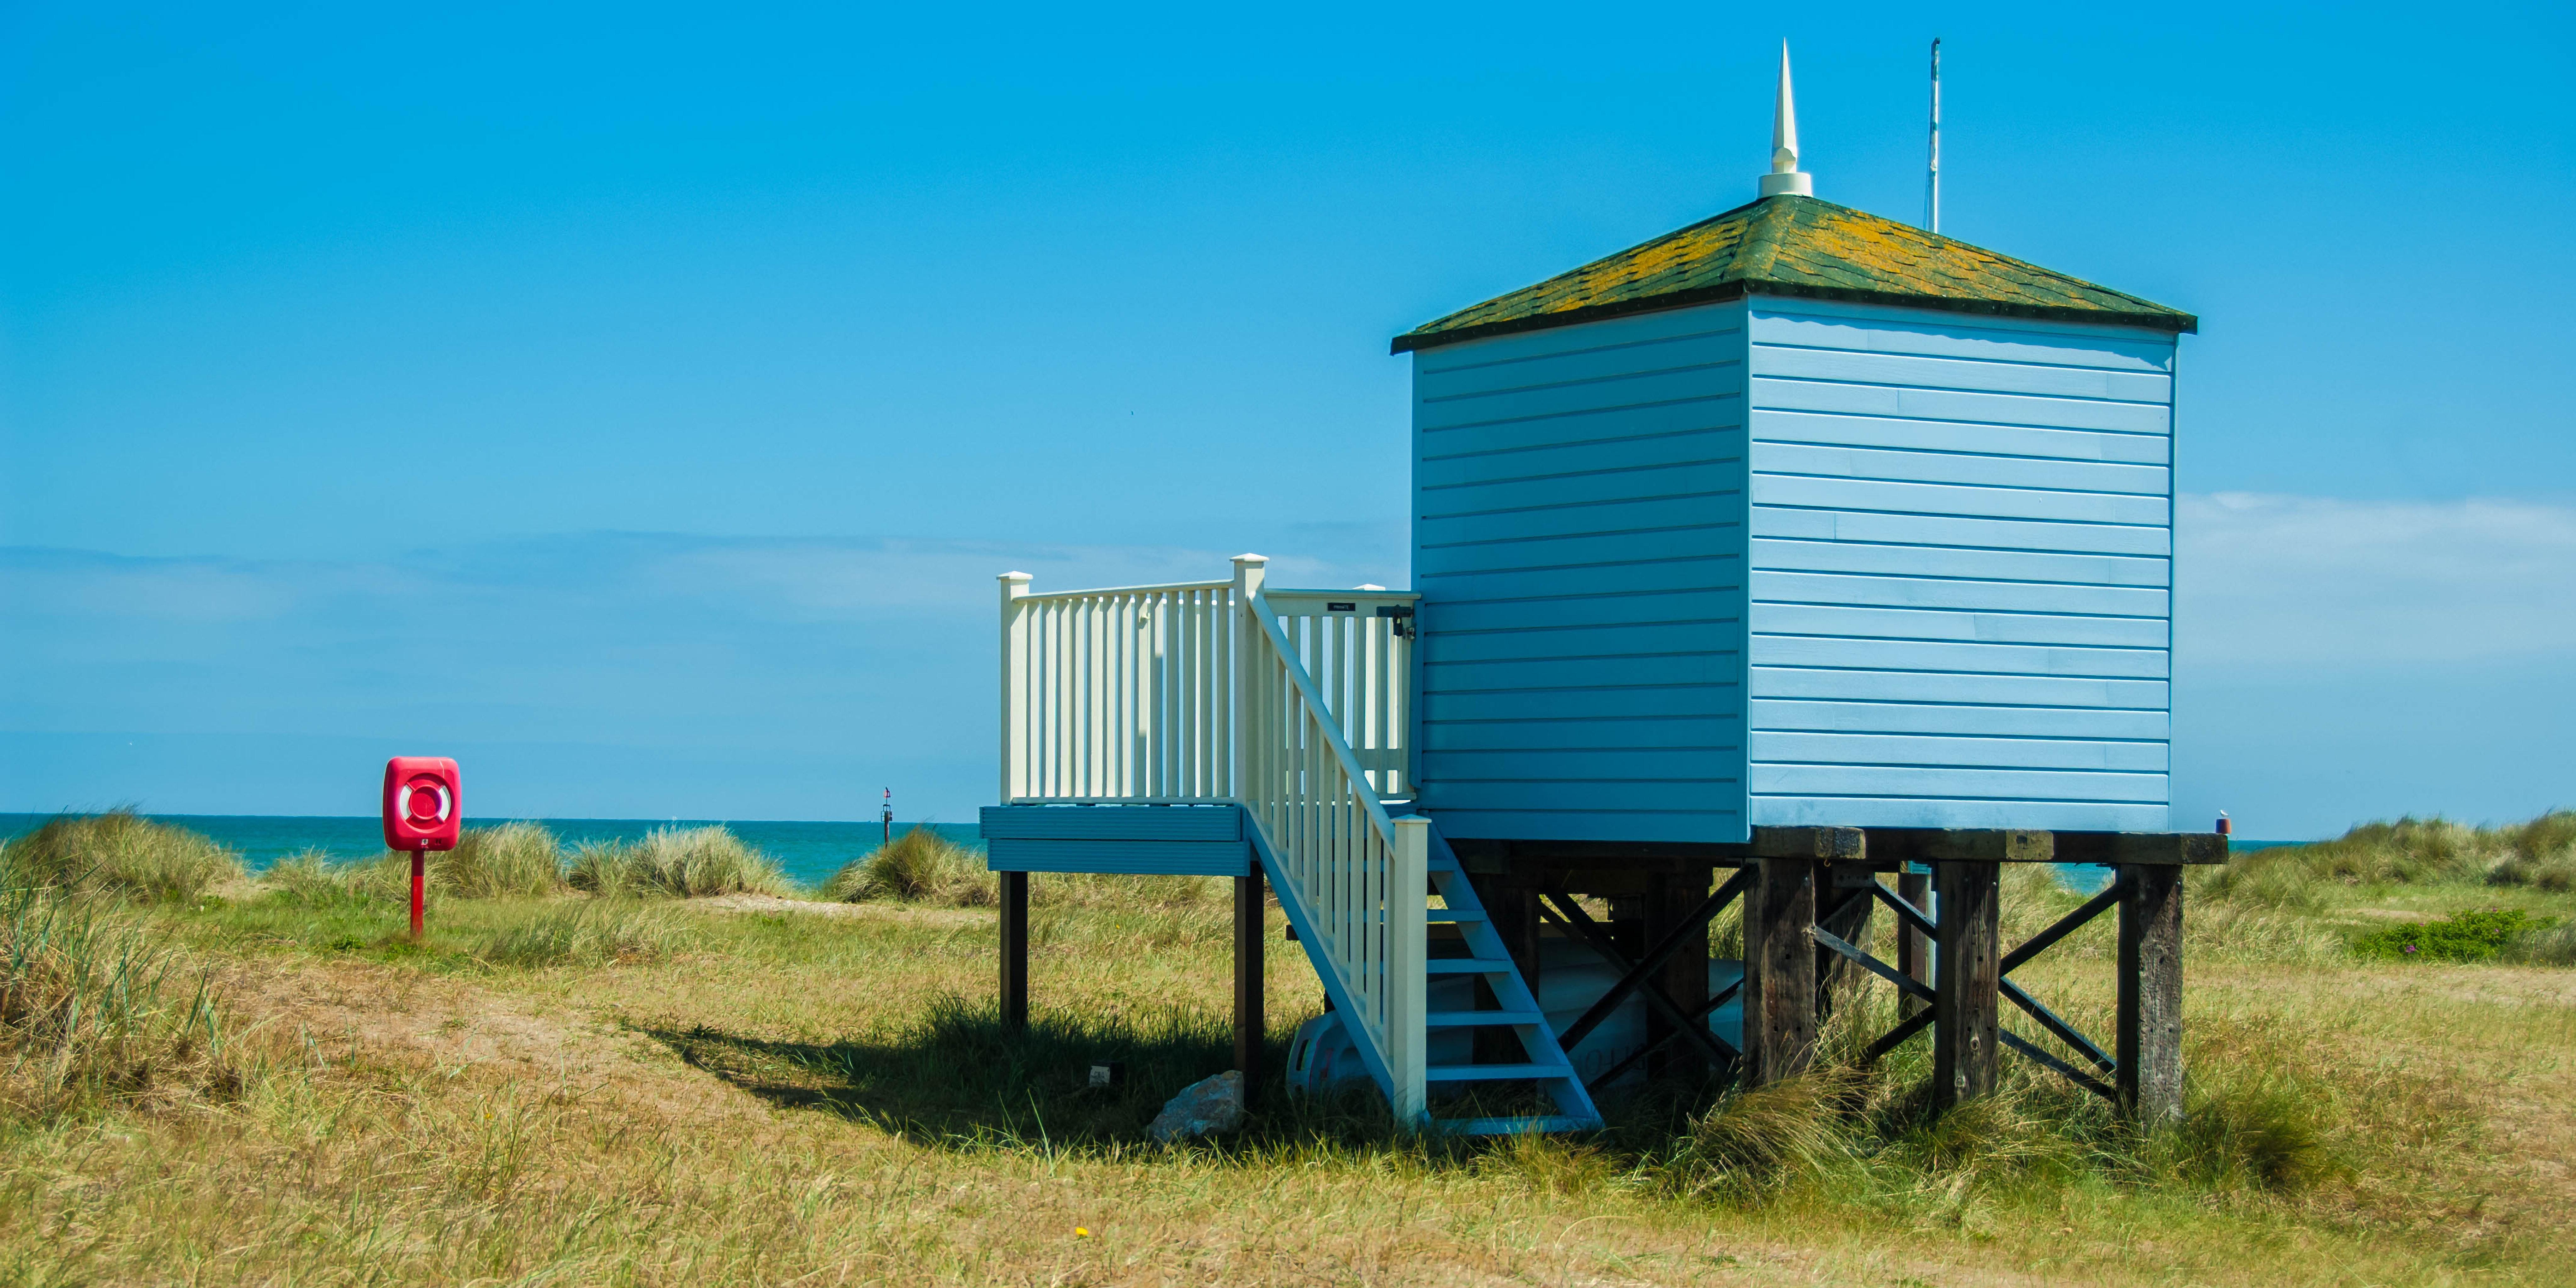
[957,1077]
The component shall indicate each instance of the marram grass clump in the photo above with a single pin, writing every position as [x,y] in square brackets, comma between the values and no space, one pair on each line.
[676,862]
[2539,854]
[124,853]
[94,1014]
[920,866]
[512,860]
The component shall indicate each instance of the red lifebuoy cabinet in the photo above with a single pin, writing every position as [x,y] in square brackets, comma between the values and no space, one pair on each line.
[424,811]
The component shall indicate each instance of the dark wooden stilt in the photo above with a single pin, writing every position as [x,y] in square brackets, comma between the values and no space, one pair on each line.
[1843,909]
[1913,947]
[1965,996]
[1015,951]
[1683,978]
[2149,1077]
[1779,970]
[1515,913]
[1250,1024]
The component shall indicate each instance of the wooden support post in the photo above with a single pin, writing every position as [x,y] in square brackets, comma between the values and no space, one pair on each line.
[1965,996]
[1015,951]
[1250,1024]
[2149,1078]
[1779,970]
[1843,909]
[1913,947]
[1683,979]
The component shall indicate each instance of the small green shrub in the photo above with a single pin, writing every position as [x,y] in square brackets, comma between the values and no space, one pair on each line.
[2461,937]
[125,853]
[592,933]
[676,862]
[920,866]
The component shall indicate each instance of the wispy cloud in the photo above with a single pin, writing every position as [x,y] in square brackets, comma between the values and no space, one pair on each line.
[2317,580]
[773,653]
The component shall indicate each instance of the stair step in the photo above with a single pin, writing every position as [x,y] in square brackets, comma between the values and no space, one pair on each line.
[1513,1126]
[1467,965]
[1496,1072]
[1478,1019]
[1438,915]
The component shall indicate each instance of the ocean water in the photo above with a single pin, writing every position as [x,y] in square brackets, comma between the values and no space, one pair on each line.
[809,852]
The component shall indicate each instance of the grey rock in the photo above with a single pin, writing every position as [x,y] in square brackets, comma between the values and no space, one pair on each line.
[1204,1107]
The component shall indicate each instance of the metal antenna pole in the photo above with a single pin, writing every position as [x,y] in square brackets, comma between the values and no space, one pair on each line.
[1932,199]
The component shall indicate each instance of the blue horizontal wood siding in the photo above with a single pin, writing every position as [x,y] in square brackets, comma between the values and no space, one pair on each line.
[1112,822]
[1579,542]
[1959,571]
[1136,858]
[1175,840]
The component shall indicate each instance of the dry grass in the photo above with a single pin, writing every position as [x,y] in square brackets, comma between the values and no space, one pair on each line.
[766,1095]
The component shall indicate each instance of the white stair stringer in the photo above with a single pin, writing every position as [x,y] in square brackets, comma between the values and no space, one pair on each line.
[1516,1008]
[1357,885]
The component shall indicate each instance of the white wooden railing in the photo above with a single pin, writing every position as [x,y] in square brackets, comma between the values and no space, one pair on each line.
[1125,695]
[1361,878]
[1208,691]
[1357,646]
[1117,695]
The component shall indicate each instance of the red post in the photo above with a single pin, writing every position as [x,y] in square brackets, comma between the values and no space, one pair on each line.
[419,889]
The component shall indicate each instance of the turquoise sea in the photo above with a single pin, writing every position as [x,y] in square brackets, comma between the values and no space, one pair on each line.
[808,851]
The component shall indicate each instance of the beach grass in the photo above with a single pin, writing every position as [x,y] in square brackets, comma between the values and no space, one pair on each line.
[642,1089]
[121,852]
[676,862]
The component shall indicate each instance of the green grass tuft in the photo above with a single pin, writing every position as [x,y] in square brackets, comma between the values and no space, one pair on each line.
[514,860]
[920,866]
[125,853]
[674,862]
[93,1012]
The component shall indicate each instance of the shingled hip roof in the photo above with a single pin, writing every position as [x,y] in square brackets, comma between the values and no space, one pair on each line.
[1792,245]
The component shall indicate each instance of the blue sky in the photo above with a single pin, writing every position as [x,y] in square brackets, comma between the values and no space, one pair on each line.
[636,403]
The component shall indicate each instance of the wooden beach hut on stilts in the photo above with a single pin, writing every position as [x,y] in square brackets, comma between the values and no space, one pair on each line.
[1799,558]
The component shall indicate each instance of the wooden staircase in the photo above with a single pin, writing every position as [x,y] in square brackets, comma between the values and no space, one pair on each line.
[1208,693]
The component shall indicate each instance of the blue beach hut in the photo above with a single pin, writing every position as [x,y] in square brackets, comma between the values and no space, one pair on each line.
[1798,544]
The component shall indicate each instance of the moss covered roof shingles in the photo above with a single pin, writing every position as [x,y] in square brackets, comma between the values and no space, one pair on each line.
[1798,246]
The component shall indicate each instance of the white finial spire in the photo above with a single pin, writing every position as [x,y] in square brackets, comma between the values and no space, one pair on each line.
[1785,176]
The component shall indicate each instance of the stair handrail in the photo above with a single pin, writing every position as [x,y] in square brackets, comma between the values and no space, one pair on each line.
[1362,876]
